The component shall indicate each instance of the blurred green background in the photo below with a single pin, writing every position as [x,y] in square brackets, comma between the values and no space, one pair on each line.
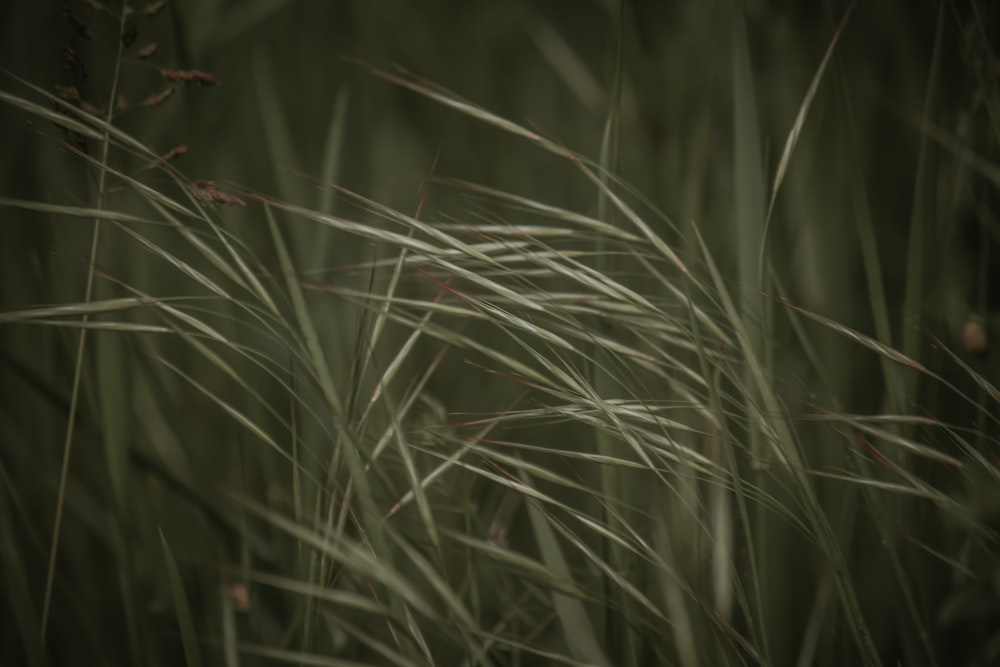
[287,75]
[886,223]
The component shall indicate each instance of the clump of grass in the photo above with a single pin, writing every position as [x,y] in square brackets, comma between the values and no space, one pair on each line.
[326,430]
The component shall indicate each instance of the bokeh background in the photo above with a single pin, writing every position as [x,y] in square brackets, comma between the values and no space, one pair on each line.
[897,161]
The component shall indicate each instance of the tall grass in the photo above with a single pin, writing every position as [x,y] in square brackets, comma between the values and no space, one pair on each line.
[424,380]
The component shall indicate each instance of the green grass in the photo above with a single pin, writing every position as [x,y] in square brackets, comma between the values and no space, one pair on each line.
[640,334]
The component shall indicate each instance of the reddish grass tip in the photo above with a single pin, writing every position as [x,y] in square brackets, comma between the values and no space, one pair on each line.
[189,76]
[148,51]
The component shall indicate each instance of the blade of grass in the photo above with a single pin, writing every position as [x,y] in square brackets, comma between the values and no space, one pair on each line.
[185,619]
[921,215]
[579,632]
[16,590]
[81,346]
[785,449]
[793,139]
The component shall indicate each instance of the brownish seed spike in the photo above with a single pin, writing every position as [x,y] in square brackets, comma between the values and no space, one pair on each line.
[68,92]
[75,24]
[128,37]
[189,76]
[158,99]
[175,152]
[148,51]
[74,63]
[204,79]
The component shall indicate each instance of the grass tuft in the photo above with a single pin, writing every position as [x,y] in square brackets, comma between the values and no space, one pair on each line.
[413,378]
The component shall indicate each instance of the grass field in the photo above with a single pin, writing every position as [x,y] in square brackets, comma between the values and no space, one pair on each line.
[500,333]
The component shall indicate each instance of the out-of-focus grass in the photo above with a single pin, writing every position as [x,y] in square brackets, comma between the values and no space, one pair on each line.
[639,334]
